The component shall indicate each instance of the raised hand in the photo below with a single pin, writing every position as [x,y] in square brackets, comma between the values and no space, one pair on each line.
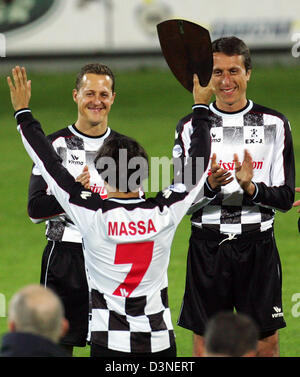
[244,172]
[20,88]
[201,94]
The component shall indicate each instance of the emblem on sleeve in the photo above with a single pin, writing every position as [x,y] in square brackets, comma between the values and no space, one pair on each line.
[85,194]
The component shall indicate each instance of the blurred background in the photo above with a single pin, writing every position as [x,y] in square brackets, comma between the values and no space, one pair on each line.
[54,38]
[65,33]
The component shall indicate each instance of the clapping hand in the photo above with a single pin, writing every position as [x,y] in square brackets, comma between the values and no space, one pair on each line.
[244,172]
[219,176]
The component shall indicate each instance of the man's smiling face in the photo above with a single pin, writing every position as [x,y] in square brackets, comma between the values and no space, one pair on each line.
[94,99]
[229,81]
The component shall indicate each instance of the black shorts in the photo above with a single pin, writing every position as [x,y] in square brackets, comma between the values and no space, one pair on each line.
[63,271]
[242,274]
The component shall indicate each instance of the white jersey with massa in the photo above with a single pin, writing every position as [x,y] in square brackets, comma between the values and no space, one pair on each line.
[126,243]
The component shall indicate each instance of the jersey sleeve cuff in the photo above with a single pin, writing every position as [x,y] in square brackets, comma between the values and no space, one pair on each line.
[22,115]
[208,191]
[255,194]
[199,106]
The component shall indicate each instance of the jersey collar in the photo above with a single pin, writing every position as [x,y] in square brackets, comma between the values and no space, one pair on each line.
[222,113]
[126,200]
[76,132]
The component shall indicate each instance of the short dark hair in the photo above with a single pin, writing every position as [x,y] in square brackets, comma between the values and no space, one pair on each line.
[122,162]
[233,46]
[230,334]
[97,69]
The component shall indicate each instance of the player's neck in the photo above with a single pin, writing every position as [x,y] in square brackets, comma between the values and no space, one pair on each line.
[91,129]
[113,192]
[123,195]
[231,107]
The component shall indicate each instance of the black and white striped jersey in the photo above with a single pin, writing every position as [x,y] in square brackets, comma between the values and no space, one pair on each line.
[266,134]
[126,243]
[75,150]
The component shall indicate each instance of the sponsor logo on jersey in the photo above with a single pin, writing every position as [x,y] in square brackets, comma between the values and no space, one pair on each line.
[101,190]
[167,192]
[278,312]
[85,194]
[75,160]
[177,151]
[256,165]
[253,135]
[124,293]
[216,134]
[120,228]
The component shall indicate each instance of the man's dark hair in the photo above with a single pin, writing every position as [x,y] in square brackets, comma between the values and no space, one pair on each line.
[230,334]
[123,163]
[97,69]
[233,46]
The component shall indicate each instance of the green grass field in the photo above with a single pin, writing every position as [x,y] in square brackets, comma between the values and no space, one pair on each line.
[147,107]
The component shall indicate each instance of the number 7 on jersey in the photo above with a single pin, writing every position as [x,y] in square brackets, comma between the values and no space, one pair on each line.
[139,255]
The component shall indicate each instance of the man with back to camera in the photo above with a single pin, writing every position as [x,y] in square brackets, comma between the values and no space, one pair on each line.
[230,334]
[233,260]
[127,238]
[36,323]
[62,263]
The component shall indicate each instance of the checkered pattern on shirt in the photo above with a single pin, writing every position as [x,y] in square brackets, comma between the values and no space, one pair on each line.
[233,219]
[67,143]
[132,329]
[231,211]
